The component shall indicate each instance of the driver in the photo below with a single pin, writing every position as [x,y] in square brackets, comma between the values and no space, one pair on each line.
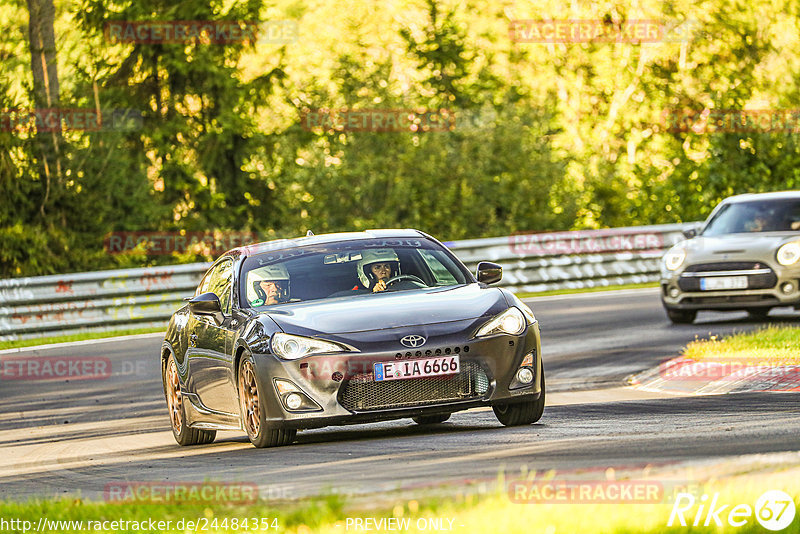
[376,267]
[268,285]
[759,223]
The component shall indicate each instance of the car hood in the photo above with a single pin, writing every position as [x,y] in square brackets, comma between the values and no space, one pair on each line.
[753,246]
[391,310]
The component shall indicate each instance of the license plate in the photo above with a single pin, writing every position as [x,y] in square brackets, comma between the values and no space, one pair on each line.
[447,365]
[723,282]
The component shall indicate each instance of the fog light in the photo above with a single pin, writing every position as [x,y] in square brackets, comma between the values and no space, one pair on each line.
[525,375]
[284,386]
[527,361]
[787,287]
[674,292]
[293,401]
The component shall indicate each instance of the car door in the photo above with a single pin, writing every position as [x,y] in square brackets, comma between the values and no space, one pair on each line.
[211,343]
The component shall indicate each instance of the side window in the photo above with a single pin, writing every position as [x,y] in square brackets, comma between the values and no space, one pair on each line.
[204,283]
[792,221]
[218,281]
[220,284]
[443,276]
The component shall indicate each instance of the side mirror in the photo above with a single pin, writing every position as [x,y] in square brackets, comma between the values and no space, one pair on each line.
[207,304]
[692,231]
[488,272]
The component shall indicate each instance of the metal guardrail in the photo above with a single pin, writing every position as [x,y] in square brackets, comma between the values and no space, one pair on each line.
[137,298]
[574,260]
[96,301]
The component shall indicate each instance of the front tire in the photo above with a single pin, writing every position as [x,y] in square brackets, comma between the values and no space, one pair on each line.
[681,316]
[431,419]
[521,413]
[251,405]
[183,434]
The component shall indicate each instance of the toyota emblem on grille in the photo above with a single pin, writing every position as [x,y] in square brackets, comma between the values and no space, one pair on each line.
[412,341]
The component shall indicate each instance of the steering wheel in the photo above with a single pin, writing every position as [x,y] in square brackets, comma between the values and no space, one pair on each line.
[410,277]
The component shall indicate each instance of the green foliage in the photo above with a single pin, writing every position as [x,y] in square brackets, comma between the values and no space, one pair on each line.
[547,136]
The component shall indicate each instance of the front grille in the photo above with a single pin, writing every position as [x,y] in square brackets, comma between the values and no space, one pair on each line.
[430,352]
[754,281]
[362,393]
[736,299]
[726,266]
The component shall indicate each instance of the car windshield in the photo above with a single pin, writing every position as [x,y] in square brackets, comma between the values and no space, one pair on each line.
[363,267]
[756,216]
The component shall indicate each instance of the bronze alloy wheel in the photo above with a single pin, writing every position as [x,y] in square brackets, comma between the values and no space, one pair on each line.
[174,399]
[184,434]
[252,404]
[248,389]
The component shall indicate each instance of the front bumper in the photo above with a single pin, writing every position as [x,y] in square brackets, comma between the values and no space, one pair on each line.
[680,291]
[343,391]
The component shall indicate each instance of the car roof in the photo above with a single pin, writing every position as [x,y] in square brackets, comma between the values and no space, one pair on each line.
[777,195]
[279,244]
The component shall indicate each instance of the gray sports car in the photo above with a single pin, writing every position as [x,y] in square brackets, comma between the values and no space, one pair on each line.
[347,328]
[746,256]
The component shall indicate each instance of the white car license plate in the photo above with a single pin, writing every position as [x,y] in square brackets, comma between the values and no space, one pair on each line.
[398,370]
[723,282]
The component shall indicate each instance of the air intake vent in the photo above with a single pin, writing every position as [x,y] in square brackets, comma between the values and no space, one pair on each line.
[362,393]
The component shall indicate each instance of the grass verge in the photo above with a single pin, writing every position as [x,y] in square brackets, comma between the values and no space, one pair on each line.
[463,513]
[76,337]
[773,344]
[586,290]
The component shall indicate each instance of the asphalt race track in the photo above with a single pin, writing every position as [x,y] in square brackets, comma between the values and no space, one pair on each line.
[78,437]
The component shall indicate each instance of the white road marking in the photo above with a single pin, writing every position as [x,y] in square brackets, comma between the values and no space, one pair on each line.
[82,343]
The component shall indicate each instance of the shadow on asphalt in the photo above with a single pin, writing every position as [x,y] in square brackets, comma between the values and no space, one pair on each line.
[608,434]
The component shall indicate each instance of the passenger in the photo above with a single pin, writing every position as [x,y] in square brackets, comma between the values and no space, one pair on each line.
[268,285]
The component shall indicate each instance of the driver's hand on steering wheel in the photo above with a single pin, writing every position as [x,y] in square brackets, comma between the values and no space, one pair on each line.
[380,285]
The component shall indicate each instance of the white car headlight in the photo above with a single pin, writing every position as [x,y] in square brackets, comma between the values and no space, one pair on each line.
[511,322]
[674,258]
[290,347]
[789,253]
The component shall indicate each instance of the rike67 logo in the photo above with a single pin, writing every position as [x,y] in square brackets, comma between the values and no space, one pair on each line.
[774,510]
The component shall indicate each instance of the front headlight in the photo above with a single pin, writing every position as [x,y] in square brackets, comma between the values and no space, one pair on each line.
[511,322]
[789,253]
[290,347]
[674,258]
